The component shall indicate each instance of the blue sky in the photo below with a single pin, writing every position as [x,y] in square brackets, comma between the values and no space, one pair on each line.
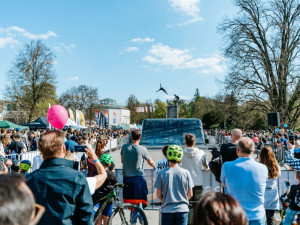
[122,47]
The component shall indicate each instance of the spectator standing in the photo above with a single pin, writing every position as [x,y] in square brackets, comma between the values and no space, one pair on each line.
[133,156]
[245,180]
[174,188]
[194,160]
[33,141]
[63,191]
[17,146]
[228,150]
[162,164]
[294,205]
[271,204]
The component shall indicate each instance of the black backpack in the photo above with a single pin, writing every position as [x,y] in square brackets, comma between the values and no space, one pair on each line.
[215,166]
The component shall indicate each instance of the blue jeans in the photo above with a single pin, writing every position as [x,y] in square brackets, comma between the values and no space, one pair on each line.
[289,216]
[135,215]
[258,222]
[174,218]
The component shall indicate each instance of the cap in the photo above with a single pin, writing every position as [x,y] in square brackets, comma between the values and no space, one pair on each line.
[18,129]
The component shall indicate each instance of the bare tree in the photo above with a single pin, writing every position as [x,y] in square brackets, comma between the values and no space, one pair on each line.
[31,80]
[83,97]
[262,45]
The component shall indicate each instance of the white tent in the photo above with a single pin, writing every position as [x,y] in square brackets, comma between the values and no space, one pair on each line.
[70,123]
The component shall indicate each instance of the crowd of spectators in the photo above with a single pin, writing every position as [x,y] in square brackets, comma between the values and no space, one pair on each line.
[59,193]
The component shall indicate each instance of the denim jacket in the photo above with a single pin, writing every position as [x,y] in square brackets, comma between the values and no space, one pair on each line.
[63,191]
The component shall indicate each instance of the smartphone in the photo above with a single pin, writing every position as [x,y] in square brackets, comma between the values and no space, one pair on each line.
[80,148]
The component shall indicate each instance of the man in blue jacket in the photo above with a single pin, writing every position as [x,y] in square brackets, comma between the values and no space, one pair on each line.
[63,191]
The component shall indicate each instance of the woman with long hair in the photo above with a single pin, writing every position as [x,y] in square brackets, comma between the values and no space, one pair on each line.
[271,204]
[100,146]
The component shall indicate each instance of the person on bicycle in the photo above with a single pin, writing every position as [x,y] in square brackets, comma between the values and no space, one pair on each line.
[106,160]
[294,206]
[174,187]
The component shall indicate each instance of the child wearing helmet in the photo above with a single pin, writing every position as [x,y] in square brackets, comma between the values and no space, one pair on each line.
[106,160]
[24,167]
[174,188]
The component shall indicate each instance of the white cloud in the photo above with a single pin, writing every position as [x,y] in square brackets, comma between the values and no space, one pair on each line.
[131,49]
[73,78]
[189,8]
[8,41]
[173,58]
[62,46]
[14,31]
[142,40]
[167,56]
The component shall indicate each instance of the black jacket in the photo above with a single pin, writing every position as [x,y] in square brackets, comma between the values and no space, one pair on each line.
[63,191]
[228,152]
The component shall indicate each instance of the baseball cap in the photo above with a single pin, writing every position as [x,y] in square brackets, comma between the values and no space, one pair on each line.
[18,129]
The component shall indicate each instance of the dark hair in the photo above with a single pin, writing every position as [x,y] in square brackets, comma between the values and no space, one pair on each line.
[164,150]
[16,204]
[135,135]
[190,139]
[218,208]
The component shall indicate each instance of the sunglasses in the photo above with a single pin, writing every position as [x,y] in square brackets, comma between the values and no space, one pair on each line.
[39,211]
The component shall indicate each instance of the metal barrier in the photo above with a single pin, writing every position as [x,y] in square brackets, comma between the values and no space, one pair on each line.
[209,183]
[115,144]
[221,140]
[13,156]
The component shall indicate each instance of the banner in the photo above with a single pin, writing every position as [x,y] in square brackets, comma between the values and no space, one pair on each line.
[77,120]
[82,119]
[71,115]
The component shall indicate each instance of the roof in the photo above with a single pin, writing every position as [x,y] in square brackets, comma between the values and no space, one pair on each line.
[7,124]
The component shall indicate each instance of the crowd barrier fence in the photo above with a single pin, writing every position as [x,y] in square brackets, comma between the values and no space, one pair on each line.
[209,183]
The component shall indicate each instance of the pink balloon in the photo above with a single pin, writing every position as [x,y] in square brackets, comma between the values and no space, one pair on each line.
[57,116]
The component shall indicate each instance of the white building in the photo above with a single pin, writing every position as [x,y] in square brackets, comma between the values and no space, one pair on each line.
[116,115]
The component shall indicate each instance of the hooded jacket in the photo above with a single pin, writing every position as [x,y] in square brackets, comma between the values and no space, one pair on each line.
[194,160]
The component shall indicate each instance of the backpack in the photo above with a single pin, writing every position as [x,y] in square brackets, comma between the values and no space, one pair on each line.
[215,166]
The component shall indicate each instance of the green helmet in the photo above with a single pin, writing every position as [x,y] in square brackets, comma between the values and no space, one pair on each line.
[25,165]
[174,152]
[106,158]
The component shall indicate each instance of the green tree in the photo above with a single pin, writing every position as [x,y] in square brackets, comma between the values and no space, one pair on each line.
[212,118]
[31,79]
[197,96]
[160,109]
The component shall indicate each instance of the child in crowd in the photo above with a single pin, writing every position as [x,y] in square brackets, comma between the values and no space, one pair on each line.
[25,165]
[174,188]
[162,164]
[106,160]
[294,206]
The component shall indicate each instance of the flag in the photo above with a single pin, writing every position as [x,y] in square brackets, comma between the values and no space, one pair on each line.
[77,120]
[71,115]
[82,119]
[140,109]
[146,109]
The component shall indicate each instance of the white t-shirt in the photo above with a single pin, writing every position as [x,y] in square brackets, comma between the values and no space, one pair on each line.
[92,181]
[37,162]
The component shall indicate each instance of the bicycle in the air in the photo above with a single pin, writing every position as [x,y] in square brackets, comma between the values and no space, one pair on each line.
[123,213]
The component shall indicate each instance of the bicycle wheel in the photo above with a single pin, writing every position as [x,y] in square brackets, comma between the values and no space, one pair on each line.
[128,214]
